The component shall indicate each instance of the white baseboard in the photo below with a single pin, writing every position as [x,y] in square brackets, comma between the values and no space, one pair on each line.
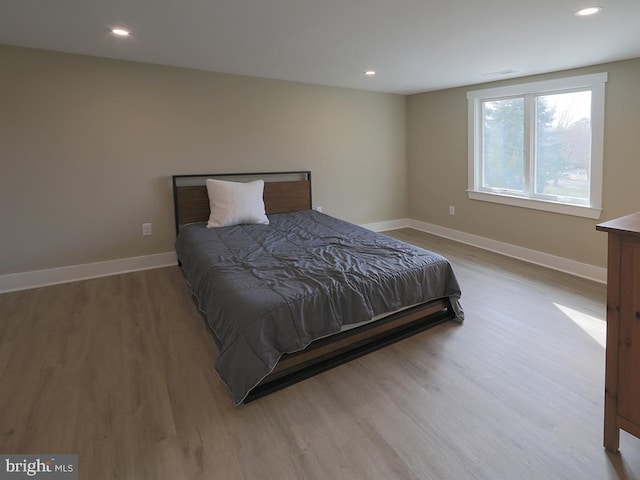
[73,273]
[388,225]
[584,270]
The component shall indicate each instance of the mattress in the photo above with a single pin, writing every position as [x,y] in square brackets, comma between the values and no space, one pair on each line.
[272,289]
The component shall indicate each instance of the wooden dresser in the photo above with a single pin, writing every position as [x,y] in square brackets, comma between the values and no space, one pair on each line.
[622,378]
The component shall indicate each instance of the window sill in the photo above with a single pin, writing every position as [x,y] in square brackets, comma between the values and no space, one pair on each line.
[555,207]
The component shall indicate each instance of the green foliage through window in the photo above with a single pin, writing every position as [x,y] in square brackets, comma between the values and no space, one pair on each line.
[560,144]
[539,144]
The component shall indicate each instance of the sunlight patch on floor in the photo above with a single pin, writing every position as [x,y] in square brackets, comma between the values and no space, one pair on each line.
[594,327]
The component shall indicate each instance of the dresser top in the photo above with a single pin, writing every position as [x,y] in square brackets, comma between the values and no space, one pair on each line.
[628,224]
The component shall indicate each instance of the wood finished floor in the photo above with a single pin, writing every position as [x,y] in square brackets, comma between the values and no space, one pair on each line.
[119,370]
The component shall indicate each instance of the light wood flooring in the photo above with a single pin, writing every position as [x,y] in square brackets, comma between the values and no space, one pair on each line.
[119,370]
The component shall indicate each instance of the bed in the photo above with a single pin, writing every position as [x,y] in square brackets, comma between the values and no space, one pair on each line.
[304,292]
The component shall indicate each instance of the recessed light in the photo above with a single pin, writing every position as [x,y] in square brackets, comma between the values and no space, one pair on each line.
[121,32]
[585,12]
[370,73]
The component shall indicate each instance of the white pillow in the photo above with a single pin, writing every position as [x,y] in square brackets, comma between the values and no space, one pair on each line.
[235,203]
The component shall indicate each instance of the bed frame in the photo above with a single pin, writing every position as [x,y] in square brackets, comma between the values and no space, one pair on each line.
[289,192]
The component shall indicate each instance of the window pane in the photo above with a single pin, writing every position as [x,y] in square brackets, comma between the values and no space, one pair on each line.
[503,144]
[563,145]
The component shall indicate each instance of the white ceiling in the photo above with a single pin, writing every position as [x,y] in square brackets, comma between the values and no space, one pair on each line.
[415,45]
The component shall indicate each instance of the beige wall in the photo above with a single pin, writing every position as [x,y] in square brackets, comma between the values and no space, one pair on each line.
[88,146]
[437,153]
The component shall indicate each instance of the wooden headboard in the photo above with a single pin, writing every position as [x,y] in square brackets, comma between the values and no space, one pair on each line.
[283,192]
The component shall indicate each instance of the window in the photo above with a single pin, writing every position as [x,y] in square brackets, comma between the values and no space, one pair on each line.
[539,145]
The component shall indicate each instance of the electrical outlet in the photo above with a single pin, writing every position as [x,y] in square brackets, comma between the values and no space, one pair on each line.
[452,210]
[146,229]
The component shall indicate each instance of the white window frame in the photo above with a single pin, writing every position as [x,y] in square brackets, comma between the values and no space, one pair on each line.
[594,82]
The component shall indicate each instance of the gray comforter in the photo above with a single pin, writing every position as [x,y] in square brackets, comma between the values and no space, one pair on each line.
[272,289]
